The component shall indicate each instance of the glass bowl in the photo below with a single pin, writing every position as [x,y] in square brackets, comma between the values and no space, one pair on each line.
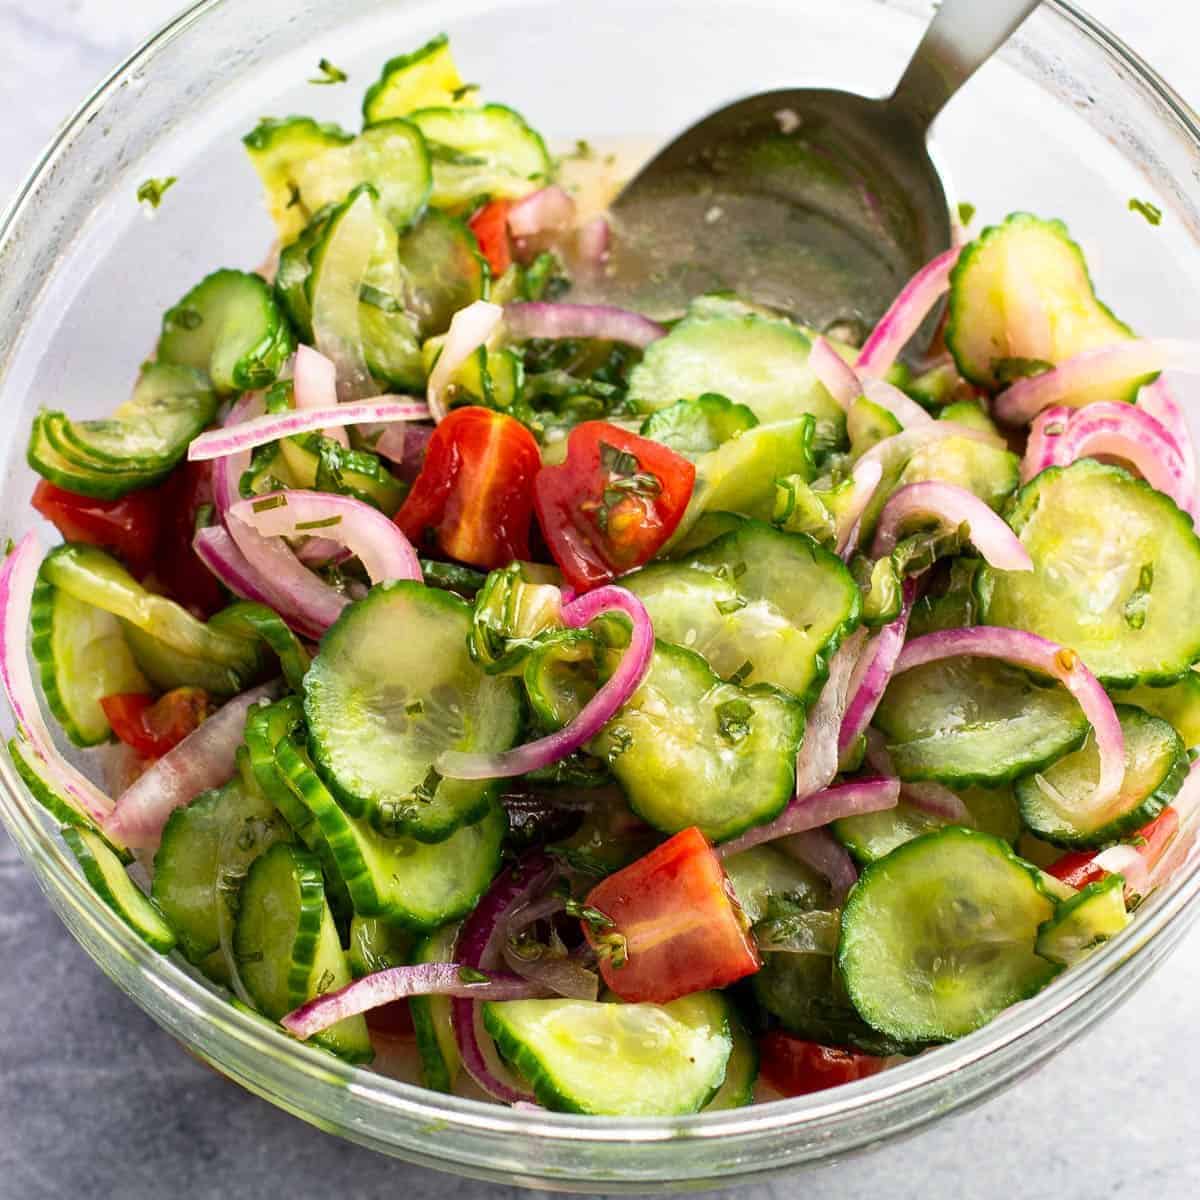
[1066,122]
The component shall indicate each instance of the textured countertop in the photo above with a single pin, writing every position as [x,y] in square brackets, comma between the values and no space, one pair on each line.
[96,1101]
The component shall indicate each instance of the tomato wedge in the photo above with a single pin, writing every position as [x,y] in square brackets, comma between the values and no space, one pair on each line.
[668,925]
[473,500]
[1078,867]
[794,1067]
[489,224]
[186,492]
[612,505]
[392,1020]
[128,528]
[152,727]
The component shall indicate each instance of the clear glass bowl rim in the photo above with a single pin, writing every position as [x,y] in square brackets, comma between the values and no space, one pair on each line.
[1160,922]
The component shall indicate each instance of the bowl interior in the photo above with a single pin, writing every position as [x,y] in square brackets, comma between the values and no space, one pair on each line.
[1064,124]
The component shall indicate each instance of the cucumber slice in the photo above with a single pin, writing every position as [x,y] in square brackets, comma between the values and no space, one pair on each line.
[706,530]
[740,476]
[421,79]
[1084,921]
[990,472]
[436,1043]
[1009,267]
[256,621]
[770,606]
[626,1060]
[1178,703]
[875,835]
[229,327]
[287,946]
[763,873]
[382,707]
[86,478]
[292,275]
[754,360]
[695,427]
[488,151]
[110,881]
[376,946]
[514,606]
[151,431]
[81,657]
[806,993]
[741,1072]
[938,937]
[442,269]
[410,883]
[305,166]
[316,462]
[167,668]
[689,749]
[1055,803]
[971,414]
[561,674]
[90,575]
[356,294]
[976,720]
[205,849]
[867,425]
[1127,602]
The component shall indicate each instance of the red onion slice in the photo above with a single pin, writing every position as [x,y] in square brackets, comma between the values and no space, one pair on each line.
[314,386]
[1045,435]
[555,975]
[1106,369]
[907,311]
[603,706]
[204,759]
[866,477]
[952,506]
[18,575]
[592,242]
[398,983]
[405,446]
[819,849]
[834,373]
[227,472]
[385,553]
[1123,859]
[548,210]
[1159,401]
[469,328]
[904,408]
[543,320]
[933,798]
[219,553]
[817,762]
[236,439]
[852,799]
[1036,654]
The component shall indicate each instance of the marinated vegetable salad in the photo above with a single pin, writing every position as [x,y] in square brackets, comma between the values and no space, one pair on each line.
[629,719]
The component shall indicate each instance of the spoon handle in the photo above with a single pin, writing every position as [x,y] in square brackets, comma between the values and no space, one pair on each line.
[962,36]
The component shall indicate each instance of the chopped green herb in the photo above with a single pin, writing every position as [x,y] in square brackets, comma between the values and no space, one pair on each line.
[152,191]
[1151,212]
[618,462]
[463,91]
[583,149]
[293,195]
[585,912]
[614,948]
[621,739]
[184,318]
[965,213]
[1138,604]
[742,673]
[379,299]
[470,975]
[733,720]
[269,502]
[414,708]
[1009,370]
[325,982]
[324,523]
[329,73]
[255,956]
[732,605]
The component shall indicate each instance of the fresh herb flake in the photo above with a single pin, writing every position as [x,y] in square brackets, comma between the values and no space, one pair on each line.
[1151,212]
[463,91]
[269,502]
[184,318]
[966,213]
[323,523]
[1137,606]
[329,73]
[326,981]
[471,975]
[589,915]
[742,673]
[614,948]
[152,191]
[1009,370]
[622,740]
[728,607]
[414,708]
[379,299]
[733,720]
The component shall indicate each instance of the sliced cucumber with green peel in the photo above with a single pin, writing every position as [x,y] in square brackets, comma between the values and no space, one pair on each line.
[695,427]
[1084,921]
[740,476]
[1129,606]
[392,687]
[110,881]
[561,674]
[356,293]
[741,1072]
[514,607]
[230,327]
[989,472]
[421,79]
[488,151]
[769,606]
[249,620]
[167,668]
[66,470]
[151,431]
[938,937]
[377,946]
[82,657]
[1178,703]
[629,1060]
[689,749]
[1056,802]
[442,270]
[287,946]
[292,275]
[757,361]
[763,873]
[318,462]
[976,720]
[415,884]
[867,424]
[1009,267]
[436,1043]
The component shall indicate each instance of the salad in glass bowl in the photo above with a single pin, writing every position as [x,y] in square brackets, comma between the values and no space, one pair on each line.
[624,718]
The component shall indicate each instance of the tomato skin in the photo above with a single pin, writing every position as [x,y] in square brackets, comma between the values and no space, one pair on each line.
[1078,868]
[794,1067]
[682,928]
[152,727]
[129,528]
[489,224]
[612,505]
[392,1020]
[473,500]
[182,574]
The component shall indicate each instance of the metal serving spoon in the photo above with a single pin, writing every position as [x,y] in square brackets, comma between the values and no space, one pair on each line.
[817,202]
